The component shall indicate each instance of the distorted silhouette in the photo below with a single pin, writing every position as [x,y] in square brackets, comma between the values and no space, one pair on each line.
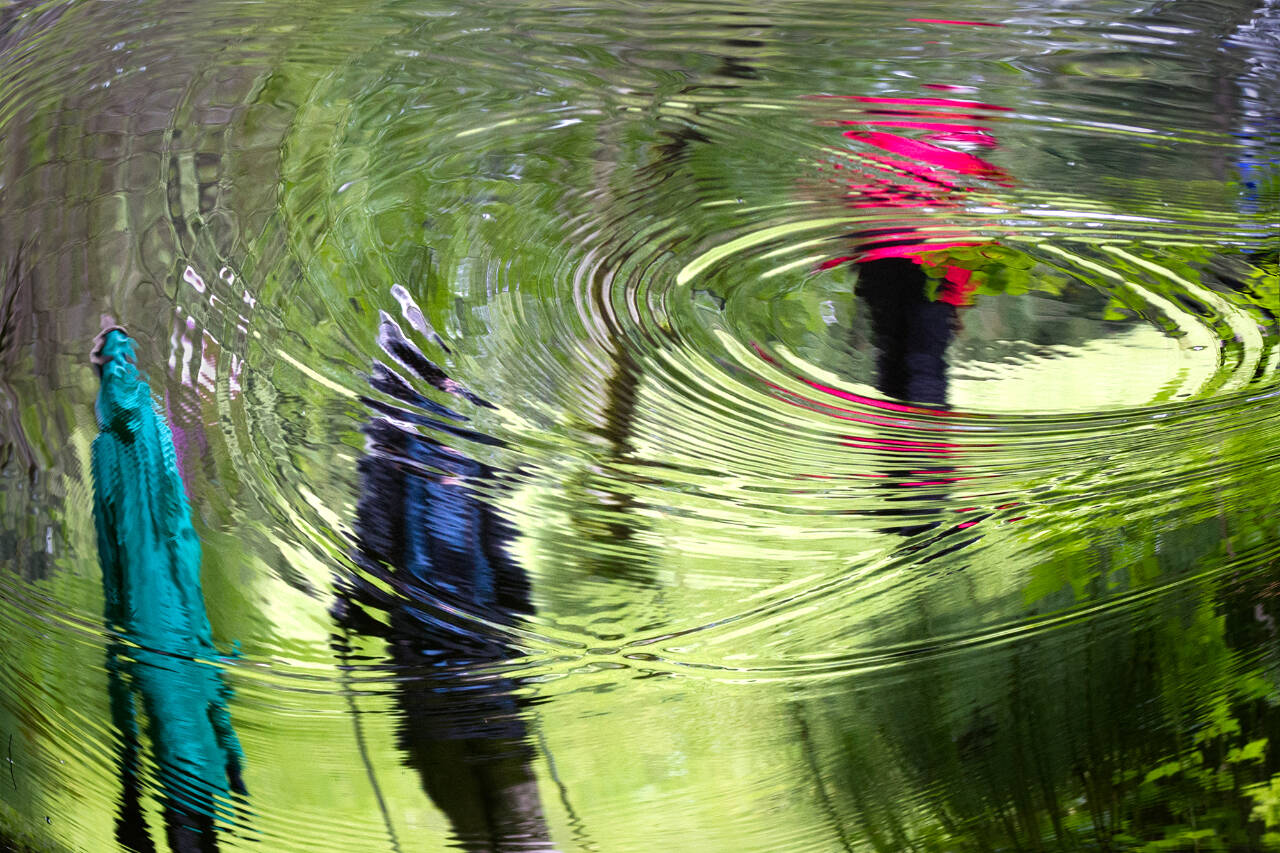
[1257,42]
[909,161]
[426,530]
[909,165]
[162,645]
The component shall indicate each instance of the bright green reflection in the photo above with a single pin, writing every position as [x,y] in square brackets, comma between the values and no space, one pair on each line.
[766,601]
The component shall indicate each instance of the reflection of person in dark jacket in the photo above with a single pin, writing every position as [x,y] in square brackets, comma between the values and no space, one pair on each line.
[150,558]
[425,530]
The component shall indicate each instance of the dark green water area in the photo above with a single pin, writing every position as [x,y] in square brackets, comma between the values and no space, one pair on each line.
[626,427]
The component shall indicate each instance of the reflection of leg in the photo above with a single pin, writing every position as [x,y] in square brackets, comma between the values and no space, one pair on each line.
[131,826]
[889,290]
[911,333]
[468,744]
[189,832]
[220,717]
[932,324]
[486,787]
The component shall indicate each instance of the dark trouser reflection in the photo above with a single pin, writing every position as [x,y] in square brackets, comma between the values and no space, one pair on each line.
[911,333]
[472,754]
[426,531]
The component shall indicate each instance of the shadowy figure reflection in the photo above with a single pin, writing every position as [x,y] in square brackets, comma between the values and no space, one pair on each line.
[908,156]
[425,530]
[150,559]
[908,167]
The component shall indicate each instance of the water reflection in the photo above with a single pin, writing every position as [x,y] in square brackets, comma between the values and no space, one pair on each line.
[614,218]
[1153,725]
[436,559]
[162,646]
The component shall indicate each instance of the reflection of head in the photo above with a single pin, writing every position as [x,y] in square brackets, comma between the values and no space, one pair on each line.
[110,343]
[123,393]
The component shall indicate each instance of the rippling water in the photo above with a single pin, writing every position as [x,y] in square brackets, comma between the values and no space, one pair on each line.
[628,427]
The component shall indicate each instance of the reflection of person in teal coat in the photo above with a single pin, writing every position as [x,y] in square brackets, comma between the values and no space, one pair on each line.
[155,611]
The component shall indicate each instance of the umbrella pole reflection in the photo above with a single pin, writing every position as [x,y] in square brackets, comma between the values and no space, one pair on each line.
[154,607]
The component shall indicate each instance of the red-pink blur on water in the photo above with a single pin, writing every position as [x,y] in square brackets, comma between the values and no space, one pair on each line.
[904,160]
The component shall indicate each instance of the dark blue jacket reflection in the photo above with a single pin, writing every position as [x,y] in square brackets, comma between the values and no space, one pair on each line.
[428,529]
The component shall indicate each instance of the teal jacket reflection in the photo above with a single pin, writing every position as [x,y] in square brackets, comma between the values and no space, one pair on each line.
[150,558]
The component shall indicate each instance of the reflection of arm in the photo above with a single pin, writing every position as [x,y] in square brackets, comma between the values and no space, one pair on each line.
[105,473]
[374,586]
[352,598]
[187,568]
[184,545]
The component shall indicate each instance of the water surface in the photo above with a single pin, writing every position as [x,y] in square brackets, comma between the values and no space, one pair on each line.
[621,426]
